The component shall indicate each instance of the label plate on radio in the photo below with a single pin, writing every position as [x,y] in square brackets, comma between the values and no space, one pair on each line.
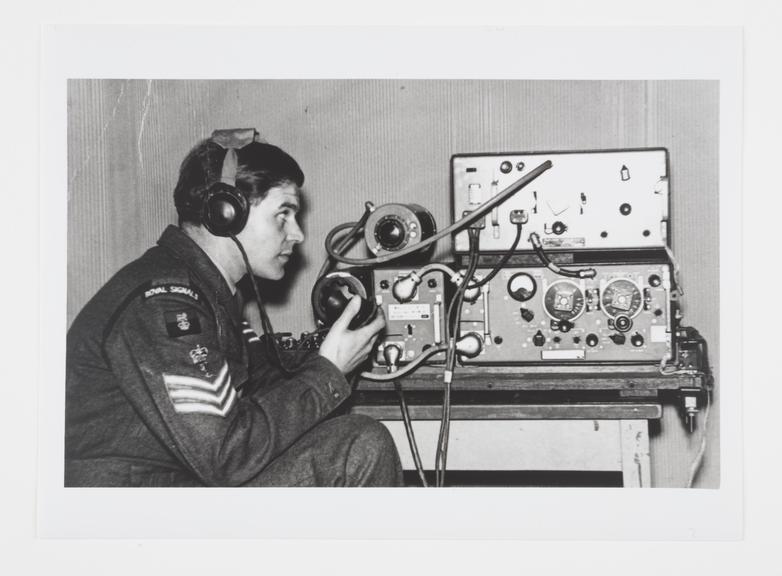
[409,312]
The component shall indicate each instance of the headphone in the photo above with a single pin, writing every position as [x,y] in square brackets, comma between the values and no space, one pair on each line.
[224,208]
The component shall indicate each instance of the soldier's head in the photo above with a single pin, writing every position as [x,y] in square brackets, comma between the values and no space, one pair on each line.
[245,190]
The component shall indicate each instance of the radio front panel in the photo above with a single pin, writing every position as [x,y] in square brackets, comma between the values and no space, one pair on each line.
[605,200]
[531,315]
[413,326]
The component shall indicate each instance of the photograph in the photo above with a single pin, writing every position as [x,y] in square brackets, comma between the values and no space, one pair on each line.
[344,287]
[414,266]
[392,282]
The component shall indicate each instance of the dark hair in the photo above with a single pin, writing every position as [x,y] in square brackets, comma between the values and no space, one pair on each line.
[261,167]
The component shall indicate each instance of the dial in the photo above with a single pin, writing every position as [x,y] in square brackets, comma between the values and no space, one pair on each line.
[391,233]
[564,300]
[522,286]
[621,297]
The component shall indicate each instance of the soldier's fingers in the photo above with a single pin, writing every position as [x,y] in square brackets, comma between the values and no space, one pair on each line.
[377,324]
[348,313]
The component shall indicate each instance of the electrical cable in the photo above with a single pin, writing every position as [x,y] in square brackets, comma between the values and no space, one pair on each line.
[410,434]
[538,247]
[677,286]
[453,319]
[698,460]
[504,260]
[268,331]
[412,366]
[708,376]
[346,241]
[467,220]
[436,266]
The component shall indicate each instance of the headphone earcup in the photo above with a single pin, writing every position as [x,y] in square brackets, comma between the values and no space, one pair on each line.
[224,210]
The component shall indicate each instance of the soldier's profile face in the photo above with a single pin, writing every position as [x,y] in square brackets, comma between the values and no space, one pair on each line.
[272,231]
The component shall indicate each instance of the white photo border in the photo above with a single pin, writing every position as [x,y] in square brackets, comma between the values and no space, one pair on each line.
[385,52]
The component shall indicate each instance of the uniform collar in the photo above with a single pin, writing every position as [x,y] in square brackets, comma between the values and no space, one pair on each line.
[198,262]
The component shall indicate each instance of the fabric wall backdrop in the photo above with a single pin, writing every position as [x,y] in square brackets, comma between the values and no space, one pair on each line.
[387,141]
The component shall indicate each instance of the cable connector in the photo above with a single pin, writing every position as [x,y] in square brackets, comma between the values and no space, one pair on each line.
[405,288]
[479,224]
[470,345]
[519,217]
[391,355]
[587,273]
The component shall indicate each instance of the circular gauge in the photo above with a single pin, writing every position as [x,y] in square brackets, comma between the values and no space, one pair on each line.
[564,300]
[621,297]
[522,286]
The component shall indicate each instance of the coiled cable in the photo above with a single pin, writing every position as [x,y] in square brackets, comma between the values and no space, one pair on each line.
[461,224]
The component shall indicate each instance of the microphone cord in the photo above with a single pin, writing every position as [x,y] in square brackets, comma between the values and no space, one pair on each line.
[268,331]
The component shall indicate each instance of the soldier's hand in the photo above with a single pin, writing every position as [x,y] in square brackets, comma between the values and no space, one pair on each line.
[347,348]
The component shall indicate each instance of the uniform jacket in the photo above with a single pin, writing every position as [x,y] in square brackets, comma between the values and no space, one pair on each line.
[154,364]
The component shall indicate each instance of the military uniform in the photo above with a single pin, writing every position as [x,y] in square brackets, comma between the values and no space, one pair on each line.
[155,364]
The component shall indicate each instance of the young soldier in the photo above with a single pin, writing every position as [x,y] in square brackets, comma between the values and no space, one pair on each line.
[167,386]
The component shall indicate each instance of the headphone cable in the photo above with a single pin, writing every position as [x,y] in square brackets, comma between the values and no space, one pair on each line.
[271,343]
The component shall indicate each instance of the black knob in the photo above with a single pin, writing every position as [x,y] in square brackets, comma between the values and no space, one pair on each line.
[432,283]
[335,303]
[539,339]
[576,339]
[558,227]
[625,209]
[527,314]
[618,339]
[654,281]
[637,340]
[498,339]
[557,339]
[591,340]
[565,326]
[623,323]
[506,167]
[384,284]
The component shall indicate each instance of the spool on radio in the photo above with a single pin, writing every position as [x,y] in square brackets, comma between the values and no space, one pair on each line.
[393,227]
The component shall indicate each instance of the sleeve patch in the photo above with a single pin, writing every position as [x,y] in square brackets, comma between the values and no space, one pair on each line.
[181,323]
[191,395]
[188,291]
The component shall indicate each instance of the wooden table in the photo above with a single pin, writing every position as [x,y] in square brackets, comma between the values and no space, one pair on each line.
[584,418]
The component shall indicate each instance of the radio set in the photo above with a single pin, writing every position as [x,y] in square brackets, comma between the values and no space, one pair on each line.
[561,264]
[589,201]
[530,315]
[604,212]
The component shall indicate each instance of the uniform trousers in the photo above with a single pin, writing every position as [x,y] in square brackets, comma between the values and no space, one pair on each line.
[348,450]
